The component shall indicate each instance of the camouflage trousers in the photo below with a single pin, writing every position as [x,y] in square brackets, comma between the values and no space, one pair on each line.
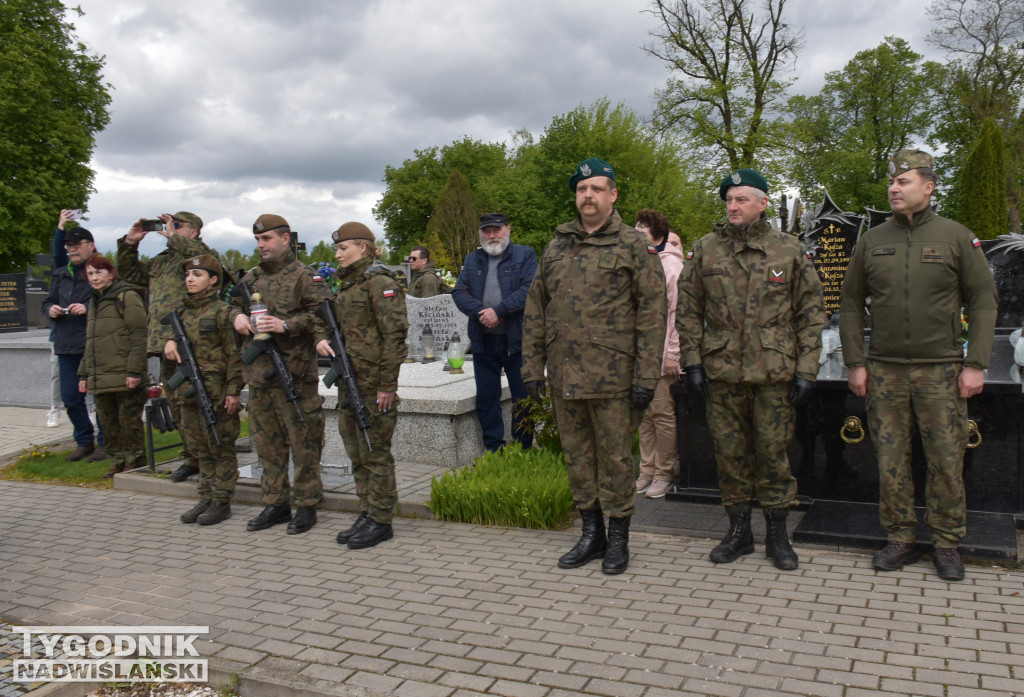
[175,401]
[276,430]
[597,439]
[218,464]
[929,395]
[751,427]
[374,471]
[123,433]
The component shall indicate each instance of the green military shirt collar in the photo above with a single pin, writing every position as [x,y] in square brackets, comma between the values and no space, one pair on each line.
[601,236]
[918,219]
[354,271]
[751,236]
[202,298]
[276,265]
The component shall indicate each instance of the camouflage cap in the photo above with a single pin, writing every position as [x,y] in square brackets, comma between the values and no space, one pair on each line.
[206,262]
[352,231]
[906,160]
[743,177]
[267,222]
[590,167]
[191,218]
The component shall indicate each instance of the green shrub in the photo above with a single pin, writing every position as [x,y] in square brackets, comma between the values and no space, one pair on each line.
[512,487]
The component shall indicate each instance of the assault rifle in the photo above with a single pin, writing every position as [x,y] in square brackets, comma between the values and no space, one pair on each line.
[341,367]
[269,347]
[188,369]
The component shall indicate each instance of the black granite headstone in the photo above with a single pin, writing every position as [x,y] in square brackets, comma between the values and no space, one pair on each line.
[830,238]
[13,306]
[1006,259]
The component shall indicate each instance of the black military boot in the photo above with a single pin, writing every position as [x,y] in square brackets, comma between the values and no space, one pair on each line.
[183,473]
[193,513]
[304,520]
[371,534]
[616,559]
[218,512]
[739,540]
[894,556]
[776,540]
[269,517]
[591,545]
[345,535]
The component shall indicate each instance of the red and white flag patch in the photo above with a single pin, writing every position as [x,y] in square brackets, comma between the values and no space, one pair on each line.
[976,242]
[389,293]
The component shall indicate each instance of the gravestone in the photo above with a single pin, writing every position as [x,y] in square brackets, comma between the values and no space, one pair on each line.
[1006,259]
[440,313]
[13,304]
[830,238]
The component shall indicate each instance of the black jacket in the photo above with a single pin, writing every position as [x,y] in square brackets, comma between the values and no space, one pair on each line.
[68,286]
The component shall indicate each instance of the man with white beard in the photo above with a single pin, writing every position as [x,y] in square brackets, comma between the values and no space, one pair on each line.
[491,290]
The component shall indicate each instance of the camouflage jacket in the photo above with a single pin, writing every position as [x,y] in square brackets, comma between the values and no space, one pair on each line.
[426,283]
[163,276]
[207,323]
[370,307]
[115,338]
[596,312]
[291,291]
[750,307]
[919,274]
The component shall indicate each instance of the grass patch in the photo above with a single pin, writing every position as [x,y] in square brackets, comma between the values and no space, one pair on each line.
[41,464]
[513,487]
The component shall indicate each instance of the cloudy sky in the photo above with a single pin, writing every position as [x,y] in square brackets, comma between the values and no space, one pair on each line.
[233,108]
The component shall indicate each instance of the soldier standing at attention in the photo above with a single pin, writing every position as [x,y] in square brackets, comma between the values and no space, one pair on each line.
[919,269]
[749,317]
[165,279]
[292,291]
[370,309]
[207,323]
[595,316]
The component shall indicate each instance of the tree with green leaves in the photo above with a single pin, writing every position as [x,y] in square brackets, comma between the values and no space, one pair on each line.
[53,102]
[841,139]
[984,78]
[983,206]
[454,223]
[726,59]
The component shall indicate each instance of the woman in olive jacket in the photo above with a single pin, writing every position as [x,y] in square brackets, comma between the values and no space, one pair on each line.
[115,362]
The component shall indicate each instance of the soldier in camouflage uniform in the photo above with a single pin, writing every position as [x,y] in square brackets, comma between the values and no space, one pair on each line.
[207,323]
[750,315]
[370,308]
[595,315]
[165,279]
[292,291]
[919,270]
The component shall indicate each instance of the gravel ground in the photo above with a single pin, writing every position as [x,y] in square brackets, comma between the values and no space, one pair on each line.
[166,689]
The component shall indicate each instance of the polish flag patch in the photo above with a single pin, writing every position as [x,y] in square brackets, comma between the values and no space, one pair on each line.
[651,250]
[389,293]
[689,255]
[316,278]
[976,242]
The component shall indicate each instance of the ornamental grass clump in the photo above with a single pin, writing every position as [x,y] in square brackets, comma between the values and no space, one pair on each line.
[514,488]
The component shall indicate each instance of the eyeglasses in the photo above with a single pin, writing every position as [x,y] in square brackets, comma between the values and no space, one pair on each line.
[177,225]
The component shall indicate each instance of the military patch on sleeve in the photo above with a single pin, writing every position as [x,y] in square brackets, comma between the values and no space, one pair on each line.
[316,278]
[777,275]
[689,255]
[810,254]
[651,249]
[976,242]
[389,292]
[608,261]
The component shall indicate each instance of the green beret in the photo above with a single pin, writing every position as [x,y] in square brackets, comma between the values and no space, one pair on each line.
[743,177]
[267,222]
[591,167]
[206,262]
[352,231]
[906,160]
[191,218]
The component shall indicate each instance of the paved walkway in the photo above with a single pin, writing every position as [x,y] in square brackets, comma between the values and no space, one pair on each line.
[455,610]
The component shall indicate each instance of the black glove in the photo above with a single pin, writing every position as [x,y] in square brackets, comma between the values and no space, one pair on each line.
[640,397]
[800,391]
[535,390]
[696,380]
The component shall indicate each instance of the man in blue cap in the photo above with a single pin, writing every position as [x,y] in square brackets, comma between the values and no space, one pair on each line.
[749,317]
[595,316]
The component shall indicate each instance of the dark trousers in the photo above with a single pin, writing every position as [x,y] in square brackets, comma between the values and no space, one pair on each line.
[74,401]
[487,367]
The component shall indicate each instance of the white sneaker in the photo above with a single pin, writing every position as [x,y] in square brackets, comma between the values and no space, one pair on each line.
[52,418]
[657,489]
